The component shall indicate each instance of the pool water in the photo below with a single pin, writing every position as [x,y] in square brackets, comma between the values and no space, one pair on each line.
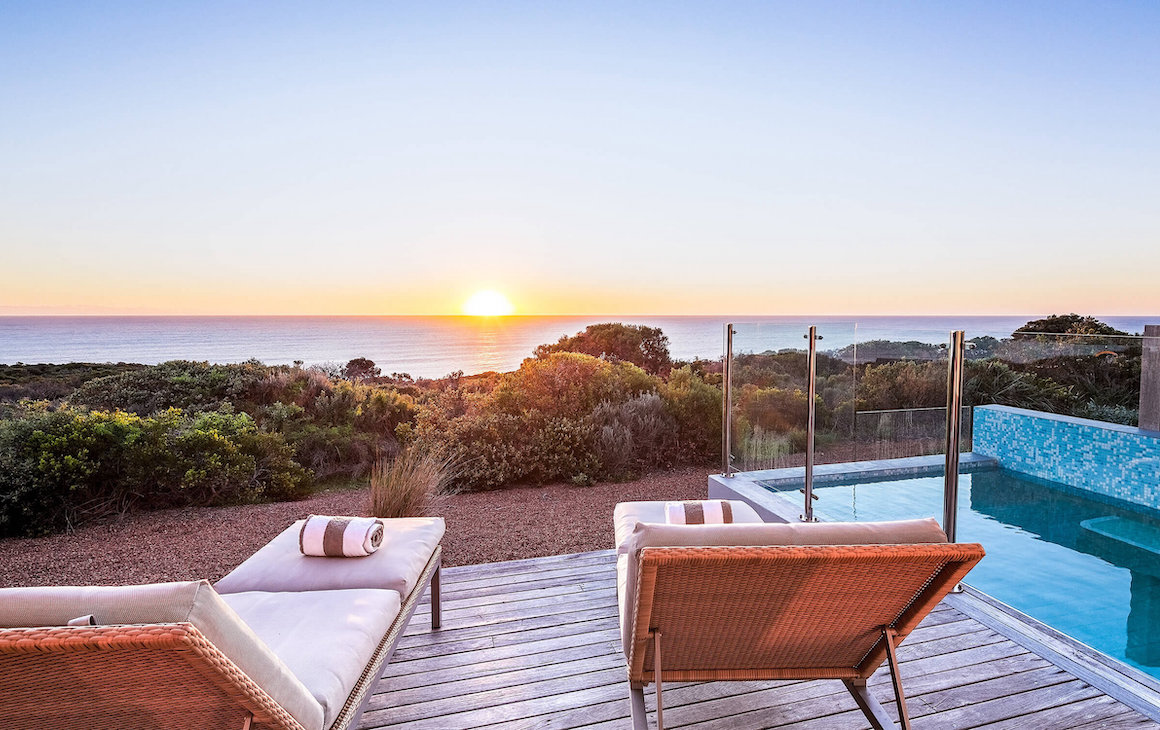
[1086,566]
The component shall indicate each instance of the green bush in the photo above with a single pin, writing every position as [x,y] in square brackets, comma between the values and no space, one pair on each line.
[696,407]
[190,386]
[568,385]
[491,449]
[59,469]
[565,415]
[646,347]
[51,382]
[632,435]
[992,381]
[904,384]
[192,433]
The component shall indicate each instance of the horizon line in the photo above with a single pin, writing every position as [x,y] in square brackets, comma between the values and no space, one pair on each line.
[47,315]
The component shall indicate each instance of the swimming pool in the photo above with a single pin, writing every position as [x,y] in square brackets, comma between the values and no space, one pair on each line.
[1086,565]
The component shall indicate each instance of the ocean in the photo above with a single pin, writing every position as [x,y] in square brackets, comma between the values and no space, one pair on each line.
[436,346]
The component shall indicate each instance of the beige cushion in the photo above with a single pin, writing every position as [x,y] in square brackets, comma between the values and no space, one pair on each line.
[625,518]
[646,534]
[408,544]
[327,638]
[194,602]
[627,514]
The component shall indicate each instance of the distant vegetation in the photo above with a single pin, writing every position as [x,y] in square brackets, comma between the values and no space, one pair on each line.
[870,396]
[85,441]
[81,441]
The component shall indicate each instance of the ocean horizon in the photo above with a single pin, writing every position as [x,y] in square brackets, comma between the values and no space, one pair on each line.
[433,346]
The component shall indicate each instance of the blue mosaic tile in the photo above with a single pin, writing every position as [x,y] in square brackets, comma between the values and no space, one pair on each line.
[1117,461]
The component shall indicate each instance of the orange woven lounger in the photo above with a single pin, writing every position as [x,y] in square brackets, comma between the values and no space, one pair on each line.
[285,642]
[779,601]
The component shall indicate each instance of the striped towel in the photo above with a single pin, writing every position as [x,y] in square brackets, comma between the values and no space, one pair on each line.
[340,537]
[708,512]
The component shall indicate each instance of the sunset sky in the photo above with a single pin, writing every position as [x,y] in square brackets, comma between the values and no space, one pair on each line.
[610,158]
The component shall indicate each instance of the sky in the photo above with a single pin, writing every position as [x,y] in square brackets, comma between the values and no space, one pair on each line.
[580,158]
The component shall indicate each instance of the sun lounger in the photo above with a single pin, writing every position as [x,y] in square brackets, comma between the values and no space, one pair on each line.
[285,642]
[755,601]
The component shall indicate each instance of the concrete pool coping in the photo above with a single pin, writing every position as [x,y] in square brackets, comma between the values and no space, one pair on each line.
[1118,680]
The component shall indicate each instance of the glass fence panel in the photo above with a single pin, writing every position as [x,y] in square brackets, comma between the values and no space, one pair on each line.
[835,439]
[901,395]
[1095,376]
[769,400]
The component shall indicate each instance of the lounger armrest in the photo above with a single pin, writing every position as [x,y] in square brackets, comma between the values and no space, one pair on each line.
[193,603]
[167,675]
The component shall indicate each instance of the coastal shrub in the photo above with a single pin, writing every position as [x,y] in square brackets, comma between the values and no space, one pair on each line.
[904,384]
[546,421]
[491,449]
[336,428]
[59,469]
[360,368]
[190,386]
[633,434]
[568,385]
[696,408]
[646,347]
[1103,377]
[563,448]
[52,382]
[1111,414]
[992,381]
[1071,324]
[779,410]
[335,451]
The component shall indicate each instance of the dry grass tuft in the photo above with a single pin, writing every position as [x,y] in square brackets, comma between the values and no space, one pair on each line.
[410,484]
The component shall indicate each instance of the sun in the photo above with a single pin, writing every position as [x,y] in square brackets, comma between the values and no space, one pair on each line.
[487,303]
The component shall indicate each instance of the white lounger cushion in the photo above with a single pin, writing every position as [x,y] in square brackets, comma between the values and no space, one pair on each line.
[645,534]
[625,518]
[326,638]
[408,544]
[627,514]
[192,602]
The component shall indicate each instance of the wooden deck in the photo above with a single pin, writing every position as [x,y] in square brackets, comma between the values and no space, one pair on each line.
[535,644]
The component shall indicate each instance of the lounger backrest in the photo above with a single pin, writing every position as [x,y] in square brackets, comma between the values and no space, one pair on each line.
[647,535]
[785,611]
[164,655]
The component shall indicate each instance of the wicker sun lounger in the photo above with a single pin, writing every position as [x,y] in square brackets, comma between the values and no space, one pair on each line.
[283,643]
[777,601]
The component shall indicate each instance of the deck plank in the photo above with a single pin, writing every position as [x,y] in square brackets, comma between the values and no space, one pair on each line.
[536,644]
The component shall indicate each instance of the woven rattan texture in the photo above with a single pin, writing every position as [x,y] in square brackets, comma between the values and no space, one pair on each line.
[785,611]
[116,677]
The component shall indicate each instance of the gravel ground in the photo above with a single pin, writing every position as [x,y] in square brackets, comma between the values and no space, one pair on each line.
[482,527]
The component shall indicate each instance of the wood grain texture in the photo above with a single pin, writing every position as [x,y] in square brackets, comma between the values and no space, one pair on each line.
[535,644]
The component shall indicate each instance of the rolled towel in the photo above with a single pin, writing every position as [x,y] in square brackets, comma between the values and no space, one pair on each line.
[708,512]
[340,537]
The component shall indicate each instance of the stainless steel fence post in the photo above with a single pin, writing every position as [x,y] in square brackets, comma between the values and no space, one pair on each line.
[812,368]
[954,413]
[726,410]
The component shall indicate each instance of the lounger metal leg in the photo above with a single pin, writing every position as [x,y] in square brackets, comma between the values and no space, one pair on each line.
[639,713]
[896,678]
[657,679]
[436,597]
[870,707]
